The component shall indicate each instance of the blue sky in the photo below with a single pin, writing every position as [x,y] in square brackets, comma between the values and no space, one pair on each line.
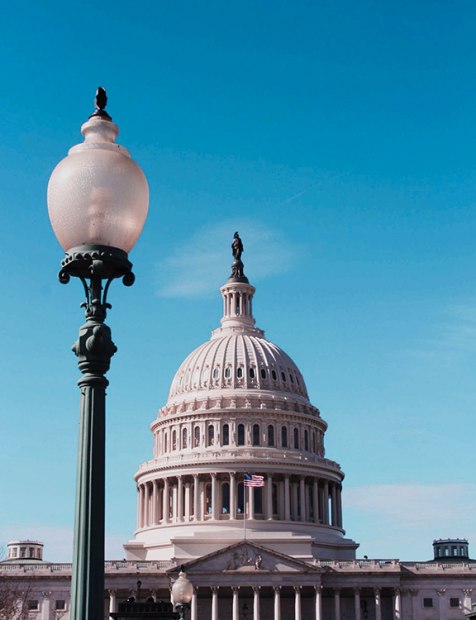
[339,139]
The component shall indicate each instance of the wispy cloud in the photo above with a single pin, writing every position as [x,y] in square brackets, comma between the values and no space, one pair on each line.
[202,264]
[402,520]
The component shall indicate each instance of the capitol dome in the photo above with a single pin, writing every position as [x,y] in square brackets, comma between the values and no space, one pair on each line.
[237,408]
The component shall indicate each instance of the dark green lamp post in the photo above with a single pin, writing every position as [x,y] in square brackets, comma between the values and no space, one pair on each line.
[97,201]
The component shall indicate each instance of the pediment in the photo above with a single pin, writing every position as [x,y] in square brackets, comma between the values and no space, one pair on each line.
[246,557]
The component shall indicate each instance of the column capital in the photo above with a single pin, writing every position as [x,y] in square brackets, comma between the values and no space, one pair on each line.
[297,589]
[195,476]
[277,589]
[232,474]
[377,591]
[112,592]
[235,589]
[318,589]
[195,589]
[214,589]
[397,591]
[256,589]
[179,476]
[46,594]
[337,591]
[357,590]
[213,474]
[467,592]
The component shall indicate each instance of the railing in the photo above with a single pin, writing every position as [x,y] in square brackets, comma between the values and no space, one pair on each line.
[157,565]
[358,564]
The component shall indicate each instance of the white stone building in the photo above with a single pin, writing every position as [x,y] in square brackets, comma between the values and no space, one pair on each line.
[238,404]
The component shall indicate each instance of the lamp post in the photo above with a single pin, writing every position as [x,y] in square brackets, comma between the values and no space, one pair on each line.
[182,592]
[97,201]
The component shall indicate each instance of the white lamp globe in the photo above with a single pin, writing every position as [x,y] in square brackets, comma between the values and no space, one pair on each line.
[182,590]
[98,195]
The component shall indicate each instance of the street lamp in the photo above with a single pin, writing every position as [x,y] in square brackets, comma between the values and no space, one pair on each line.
[182,592]
[97,202]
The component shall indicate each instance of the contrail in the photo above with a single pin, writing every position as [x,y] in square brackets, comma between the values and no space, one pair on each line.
[316,184]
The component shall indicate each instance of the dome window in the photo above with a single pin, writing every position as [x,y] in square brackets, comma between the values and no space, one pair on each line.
[256,441]
[252,373]
[273,374]
[227,373]
[241,434]
[211,435]
[306,441]
[215,373]
[283,376]
[197,436]
[187,378]
[226,434]
[196,376]
[239,372]
[184,439]
[263,373]
[271,435]
[291,378]
[296,439]
[297,380]
[174,440]
[284,437]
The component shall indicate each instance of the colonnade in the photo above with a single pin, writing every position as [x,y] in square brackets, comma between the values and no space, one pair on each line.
[222,496]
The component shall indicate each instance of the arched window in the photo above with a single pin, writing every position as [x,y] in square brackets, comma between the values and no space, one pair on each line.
[256,441]
[284,437]
[258,500]
[296,439]
[306,441]
[241,434]
[184,438]
[273,374]
[313,440]
[239,372]
[227,373]
[225,498]
[174,440]
[211,435]
[226,434]
[283,377]
[192,494]
[197,436]
[241,499]
[291,377]
[270,435]
[297,380]
[263,373]
[252,373]
[215,373]
[310,507]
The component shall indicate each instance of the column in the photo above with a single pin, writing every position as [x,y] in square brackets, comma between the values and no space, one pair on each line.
[467,601]
[297,602]
[277,602]
[397,611]
[233,495]
[334,504]
[154,502]
[336,603]
[357,603]
[139,506]
[214,590]
[202,500]
[315,501]
[236,603]
[180,499]
[159,502]
[187,501]
[251,503]
[325,494]
[281,499]
[112,601]
[215,500]
[287,503]
[166,502]
[302,493]
[46,607]
[378,605]
[269,497]
[256,602]
[441,610]
[194,605]
[318,602]
[147,505]
[174,503]
[196,498]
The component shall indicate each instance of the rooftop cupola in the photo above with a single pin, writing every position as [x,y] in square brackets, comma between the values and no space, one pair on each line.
[237,292]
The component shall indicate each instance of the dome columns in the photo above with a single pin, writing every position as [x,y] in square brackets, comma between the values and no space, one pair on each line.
[221,496]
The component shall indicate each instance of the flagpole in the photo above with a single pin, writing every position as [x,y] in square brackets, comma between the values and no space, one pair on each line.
[244,512]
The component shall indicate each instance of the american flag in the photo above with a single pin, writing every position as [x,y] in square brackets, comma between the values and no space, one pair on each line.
[251,480]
